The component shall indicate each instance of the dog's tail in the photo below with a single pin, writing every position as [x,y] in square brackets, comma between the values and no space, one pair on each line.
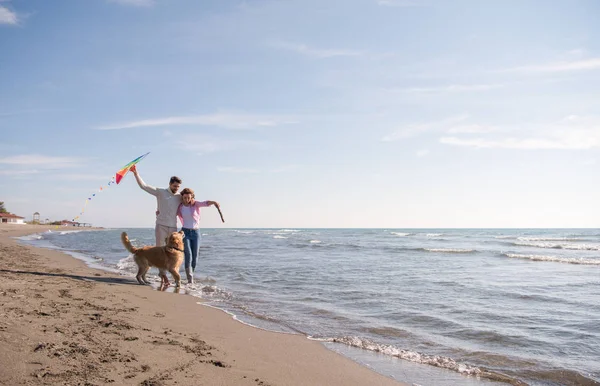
[127,243]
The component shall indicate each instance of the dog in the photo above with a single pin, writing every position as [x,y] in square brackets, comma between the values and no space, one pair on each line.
[165,258]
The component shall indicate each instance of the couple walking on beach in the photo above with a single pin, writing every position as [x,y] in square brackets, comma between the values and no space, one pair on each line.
[173,205]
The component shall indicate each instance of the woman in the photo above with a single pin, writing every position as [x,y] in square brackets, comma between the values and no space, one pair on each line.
[189,215]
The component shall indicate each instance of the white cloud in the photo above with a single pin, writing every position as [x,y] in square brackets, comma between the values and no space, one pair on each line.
[14,173]
[232,169]
[205,144]
[419,128]
[575,65]
[422,153]
[102,179]
[226,120]
[7,16]
[134,3]
[514,143]
[449,89]
[285,168]
[400,3]
[303,49]
[571,133]
[41,161]
[474,128]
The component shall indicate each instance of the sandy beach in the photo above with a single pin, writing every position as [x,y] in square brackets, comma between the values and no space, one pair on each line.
[62,322]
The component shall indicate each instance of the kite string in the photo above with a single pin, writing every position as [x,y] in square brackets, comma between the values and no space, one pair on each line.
[94,195]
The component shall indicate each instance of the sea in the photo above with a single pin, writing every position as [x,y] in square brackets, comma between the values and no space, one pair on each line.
[437,307]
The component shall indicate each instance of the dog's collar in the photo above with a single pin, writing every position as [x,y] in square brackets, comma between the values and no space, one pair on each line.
[177,249]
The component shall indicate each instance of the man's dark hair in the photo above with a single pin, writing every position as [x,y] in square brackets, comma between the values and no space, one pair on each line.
[175,179]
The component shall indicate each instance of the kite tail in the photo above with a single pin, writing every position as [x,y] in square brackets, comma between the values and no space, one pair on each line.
[127,243]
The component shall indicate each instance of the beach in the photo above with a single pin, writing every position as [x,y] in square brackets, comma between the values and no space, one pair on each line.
[62,322]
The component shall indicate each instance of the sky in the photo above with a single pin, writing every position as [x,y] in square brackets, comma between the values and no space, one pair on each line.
[304,113]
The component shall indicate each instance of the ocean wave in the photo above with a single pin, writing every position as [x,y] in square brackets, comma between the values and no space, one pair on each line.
[449,250]
[402,234]
[434,234]
[504,237]
[555,259]
[576,247]
[315,241]
[541,238]
[279,237]
[412,356]
[32,237]
[127,264]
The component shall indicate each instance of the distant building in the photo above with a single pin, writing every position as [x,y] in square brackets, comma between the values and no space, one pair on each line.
[9,218]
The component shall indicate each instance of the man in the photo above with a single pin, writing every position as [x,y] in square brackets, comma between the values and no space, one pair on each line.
[168,201]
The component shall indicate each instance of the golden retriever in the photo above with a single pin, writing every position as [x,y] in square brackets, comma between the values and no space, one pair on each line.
[165,258]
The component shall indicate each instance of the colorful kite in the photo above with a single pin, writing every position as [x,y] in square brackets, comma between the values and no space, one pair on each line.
[121,173]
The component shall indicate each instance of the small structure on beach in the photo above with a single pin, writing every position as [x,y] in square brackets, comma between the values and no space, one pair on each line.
[36,218]
[67,223]
[9,218]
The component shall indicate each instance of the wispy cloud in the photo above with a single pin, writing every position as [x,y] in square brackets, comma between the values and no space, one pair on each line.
[134,3]
[225,120]
[306,50]
[454,88]
[14,173]
[422,153]
[285,168]
[473,128]
[419,128]
[571,133]
[8,17]
[41,161]
[102,179]
[574,65]
[206,144]
[233,169]
[401,3]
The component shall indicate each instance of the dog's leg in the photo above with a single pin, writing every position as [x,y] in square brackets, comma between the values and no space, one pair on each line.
[163,277]
[140,274]
[146,269]
[176,276]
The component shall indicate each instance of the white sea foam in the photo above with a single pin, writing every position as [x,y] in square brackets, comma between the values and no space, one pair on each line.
[127,264]
[556,259]
[289,230]
[434,234]
[504,237]
[549,238]
[279,237]
[576,247]
[402,234]
[449,250]
[62,233]
[413,356]
[315,241]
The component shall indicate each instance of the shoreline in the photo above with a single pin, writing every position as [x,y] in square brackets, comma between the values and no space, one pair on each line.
[81,324]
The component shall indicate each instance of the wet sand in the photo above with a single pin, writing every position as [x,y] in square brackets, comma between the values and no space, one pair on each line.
[62,322]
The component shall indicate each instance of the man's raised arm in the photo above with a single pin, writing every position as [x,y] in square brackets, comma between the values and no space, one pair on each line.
[150,189]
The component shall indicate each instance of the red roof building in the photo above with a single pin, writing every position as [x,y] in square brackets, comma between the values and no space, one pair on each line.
[9,218]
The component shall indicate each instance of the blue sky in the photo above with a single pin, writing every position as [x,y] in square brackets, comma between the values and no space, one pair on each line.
[353,113]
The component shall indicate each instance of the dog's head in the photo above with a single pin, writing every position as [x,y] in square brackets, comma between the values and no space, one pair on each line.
[175,239]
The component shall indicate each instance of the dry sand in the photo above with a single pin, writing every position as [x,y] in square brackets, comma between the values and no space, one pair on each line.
[62,322]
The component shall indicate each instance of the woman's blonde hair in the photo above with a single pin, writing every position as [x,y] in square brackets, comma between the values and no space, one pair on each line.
[188,191]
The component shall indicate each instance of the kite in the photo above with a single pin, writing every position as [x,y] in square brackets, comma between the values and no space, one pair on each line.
[121,173]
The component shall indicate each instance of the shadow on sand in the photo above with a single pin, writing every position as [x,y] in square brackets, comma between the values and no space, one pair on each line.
[100,279]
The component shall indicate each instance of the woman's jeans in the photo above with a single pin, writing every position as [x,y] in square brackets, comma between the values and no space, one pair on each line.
[191,244]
